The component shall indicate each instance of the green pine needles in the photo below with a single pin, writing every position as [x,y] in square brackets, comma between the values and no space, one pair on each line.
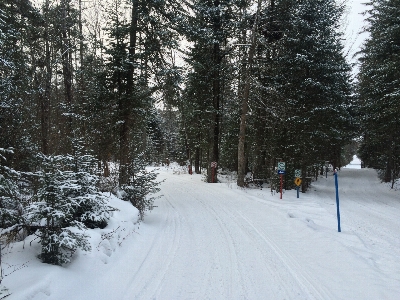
[67,202]
[141,183]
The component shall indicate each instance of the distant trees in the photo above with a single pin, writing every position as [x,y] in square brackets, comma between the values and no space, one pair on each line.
[379,90]
[136,56]
[208,30]
[16,22]
[283,63]
[285,85]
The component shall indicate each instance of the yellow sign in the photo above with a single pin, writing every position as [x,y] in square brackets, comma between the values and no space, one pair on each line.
[297,181]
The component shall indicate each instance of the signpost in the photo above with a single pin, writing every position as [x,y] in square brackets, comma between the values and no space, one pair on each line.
[337,199]
[281,172]
[213,166]
[297,181]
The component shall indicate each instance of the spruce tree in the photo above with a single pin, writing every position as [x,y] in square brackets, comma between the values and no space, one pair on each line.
[140,184]
[314,80]
[67,201]
[16,20]
[11,204]
[209,28]
[379,91]
[136,57]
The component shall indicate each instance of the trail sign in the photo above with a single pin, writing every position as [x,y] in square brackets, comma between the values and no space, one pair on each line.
[297,181]
[213,164]
[297,173]
[281,172]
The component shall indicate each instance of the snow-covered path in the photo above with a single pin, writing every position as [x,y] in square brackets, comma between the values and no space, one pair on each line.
[212,241]
[220,246]
[215,241]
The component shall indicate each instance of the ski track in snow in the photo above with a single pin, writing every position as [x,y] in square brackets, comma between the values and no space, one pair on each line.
[217,259]
[235,255]
[216,241]
[280,263]
[370,211]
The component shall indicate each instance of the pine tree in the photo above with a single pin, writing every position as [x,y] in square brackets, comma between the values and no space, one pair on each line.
[314,81]
[379,92]
[140,184]
[137,50]
[245,95]
[196,108]
[66,203]
[208,29]
[11,204]
[16,19]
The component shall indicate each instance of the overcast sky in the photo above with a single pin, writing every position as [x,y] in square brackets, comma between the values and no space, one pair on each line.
[354,25]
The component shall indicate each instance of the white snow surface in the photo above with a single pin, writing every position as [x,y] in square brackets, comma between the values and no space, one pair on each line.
[355,163]
[217,241]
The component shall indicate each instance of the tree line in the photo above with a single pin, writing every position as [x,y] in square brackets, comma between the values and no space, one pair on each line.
[378,91]
[267,82]
[87,85]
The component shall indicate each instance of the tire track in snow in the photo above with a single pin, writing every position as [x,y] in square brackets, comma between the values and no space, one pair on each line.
[235,275]
[273,266]
[172,254]
[277,275]
[294,268]
[151,284]
[225,261]
[217,263]
[273,263]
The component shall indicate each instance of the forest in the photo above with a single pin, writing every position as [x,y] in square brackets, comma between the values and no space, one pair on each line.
[91,92]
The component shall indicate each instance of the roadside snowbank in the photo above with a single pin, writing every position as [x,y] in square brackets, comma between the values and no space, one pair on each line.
[26,277]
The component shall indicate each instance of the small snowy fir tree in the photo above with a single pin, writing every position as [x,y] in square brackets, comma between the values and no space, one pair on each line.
[141,183]
[11,208]
[52,213]
[93,210]
[66,202]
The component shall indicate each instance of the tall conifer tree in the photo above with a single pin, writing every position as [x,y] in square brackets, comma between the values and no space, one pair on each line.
[379,90]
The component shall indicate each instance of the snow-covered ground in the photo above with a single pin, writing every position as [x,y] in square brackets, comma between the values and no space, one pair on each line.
[354,164]
[216,241]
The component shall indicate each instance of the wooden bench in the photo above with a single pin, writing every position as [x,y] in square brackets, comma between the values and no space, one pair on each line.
[258,182]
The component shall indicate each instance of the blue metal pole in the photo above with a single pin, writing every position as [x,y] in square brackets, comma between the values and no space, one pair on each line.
[337,200]
[298,188]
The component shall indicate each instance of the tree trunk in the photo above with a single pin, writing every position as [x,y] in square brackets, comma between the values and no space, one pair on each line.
[67,73]
[388,171]
[126,101]
[216,92]
[44,97]
[197,161]
[304,178]
[245,99]
[45,103]
[81,84]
